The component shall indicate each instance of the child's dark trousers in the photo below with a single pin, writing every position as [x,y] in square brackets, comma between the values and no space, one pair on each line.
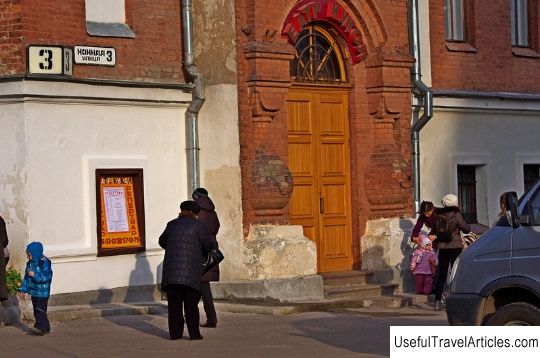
[424,283]
[40,313]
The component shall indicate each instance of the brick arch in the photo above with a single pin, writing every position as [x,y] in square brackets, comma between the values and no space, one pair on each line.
[365,17]
[369,17]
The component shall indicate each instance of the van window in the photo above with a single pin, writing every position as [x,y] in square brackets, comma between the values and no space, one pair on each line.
[534,207]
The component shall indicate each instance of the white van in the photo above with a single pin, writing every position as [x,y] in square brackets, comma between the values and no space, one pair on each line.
[496,281]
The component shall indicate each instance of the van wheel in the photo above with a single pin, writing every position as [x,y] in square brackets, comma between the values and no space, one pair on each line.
[515,314]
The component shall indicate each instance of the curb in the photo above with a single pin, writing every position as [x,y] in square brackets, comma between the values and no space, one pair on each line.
[67,313]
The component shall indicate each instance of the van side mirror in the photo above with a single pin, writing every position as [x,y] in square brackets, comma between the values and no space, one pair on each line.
[509,205]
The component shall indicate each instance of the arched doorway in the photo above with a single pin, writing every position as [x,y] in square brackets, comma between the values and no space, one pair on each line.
[318,142]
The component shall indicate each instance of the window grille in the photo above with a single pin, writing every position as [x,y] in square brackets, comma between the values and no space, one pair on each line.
[318,58]
[467,192]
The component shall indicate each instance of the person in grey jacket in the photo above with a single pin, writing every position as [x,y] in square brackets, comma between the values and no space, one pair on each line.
[185,241]
[209,217]
[449,251]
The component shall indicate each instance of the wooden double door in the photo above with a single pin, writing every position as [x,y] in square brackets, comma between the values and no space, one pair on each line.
[318,142]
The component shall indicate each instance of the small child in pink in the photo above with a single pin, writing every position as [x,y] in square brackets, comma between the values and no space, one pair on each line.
[424,265]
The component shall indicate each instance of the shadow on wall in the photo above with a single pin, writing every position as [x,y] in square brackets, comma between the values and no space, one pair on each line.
[407,249]
[140,287]
[141,275]
[387,250]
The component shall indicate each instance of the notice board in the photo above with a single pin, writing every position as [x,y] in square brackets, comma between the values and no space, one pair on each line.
[120,211]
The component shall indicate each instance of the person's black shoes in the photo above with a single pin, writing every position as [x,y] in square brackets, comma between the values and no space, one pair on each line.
[195,338]
[208,325]
[37,332]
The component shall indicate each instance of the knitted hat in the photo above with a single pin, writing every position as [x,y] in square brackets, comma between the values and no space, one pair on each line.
[199,192]
[190,205]
[425,241]
[449,200]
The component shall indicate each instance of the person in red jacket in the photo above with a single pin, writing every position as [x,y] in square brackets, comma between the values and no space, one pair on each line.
[208,216]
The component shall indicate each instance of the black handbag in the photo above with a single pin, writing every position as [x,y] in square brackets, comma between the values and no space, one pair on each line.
[212,260]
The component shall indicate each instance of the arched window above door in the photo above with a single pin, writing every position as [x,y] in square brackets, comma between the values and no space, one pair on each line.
[318,58]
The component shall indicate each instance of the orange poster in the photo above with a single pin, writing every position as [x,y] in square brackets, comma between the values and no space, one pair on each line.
[119,226]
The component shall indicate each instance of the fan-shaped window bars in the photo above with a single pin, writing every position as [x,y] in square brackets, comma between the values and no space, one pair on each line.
[318,58]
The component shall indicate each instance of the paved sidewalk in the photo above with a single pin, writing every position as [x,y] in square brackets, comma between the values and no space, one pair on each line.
[346,332]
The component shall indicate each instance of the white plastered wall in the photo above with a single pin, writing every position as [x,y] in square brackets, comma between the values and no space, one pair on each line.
[497,136]
[220,173]
[55,145]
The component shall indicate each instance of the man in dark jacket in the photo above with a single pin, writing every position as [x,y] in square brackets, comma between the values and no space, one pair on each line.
[185,241]
[208,216]
[449,251]
[3,243]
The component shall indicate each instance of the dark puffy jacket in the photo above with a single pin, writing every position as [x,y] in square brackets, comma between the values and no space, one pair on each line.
[3,243]
[209,217]
[185,241]
[456,223]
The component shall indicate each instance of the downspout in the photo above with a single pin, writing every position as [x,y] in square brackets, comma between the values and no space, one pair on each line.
[197,99]
[424,95]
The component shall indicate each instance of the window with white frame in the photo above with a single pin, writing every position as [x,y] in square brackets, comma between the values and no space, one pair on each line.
[519,19]
[107,18]
[455,25]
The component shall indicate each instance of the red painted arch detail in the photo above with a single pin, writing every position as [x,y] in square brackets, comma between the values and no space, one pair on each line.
[330,12]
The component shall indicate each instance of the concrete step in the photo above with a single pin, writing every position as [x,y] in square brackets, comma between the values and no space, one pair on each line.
[72,312]
[359,291]
[395,301]
[351,277]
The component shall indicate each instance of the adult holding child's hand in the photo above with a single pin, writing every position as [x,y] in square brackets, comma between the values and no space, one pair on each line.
[426,218]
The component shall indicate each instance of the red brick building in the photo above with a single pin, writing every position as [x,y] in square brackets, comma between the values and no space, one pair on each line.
[342,133]
[306,121]
[481,59]
[92,98]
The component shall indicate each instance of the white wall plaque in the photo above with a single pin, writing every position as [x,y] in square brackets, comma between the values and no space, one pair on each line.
[88,55]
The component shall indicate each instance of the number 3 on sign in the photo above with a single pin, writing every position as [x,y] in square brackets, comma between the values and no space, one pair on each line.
[45,60]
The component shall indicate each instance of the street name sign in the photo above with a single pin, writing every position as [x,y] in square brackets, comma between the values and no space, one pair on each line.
[89,55]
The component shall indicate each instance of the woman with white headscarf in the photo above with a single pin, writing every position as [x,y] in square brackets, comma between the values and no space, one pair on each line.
[448,224]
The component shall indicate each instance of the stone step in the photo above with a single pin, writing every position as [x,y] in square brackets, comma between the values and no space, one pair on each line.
[359,291]
[395,301]
[351,277]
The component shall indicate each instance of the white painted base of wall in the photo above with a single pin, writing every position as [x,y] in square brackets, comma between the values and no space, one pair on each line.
[386,250]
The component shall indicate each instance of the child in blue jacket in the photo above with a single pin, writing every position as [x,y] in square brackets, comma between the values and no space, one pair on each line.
[37,282]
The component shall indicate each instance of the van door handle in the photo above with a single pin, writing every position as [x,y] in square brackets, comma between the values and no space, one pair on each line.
[321,205]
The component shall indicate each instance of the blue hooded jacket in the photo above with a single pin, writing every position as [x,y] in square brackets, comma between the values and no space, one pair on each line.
[40,284]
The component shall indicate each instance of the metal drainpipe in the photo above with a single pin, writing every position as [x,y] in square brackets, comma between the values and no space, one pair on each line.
[197,99]
[422,92]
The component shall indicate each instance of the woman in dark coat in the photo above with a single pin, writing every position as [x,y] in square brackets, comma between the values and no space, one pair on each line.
[3,243]
[449,251]
[185,241]
[209,217]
